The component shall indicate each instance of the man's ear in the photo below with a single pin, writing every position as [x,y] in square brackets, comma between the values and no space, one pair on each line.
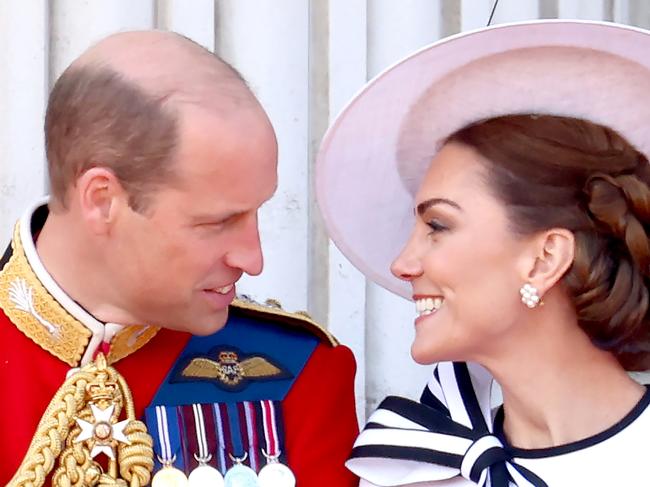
[100,197]
[552,255]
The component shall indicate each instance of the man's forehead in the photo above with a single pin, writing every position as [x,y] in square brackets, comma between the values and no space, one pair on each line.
[228,143]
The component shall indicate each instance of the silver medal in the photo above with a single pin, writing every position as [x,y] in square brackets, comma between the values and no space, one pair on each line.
[205,475]
[275,474]
[240,475]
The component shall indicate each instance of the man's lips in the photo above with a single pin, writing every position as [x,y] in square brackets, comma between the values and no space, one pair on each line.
[220,297]
[222,290]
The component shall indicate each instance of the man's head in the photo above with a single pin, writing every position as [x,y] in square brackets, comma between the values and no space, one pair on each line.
[159,157]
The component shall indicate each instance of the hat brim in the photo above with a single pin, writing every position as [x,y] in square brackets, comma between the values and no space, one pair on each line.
[376,151]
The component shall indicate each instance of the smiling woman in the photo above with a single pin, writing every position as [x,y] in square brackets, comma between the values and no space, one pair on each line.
[447,268]
[558,172]
[513,209]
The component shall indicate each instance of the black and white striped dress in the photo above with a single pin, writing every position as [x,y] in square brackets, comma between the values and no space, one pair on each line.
[451,438]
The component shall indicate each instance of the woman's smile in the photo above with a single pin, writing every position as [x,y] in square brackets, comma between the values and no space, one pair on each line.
[427,305]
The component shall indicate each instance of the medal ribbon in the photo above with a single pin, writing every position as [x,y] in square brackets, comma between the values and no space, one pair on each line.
[270,421]
[201,436]
[236,441]
[220,426]
[232,438]
[190,435]
[248,421]
[164,428]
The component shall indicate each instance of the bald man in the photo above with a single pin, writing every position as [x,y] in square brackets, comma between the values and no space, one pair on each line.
[124,353]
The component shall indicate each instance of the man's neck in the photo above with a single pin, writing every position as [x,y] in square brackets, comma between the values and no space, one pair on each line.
[69,264]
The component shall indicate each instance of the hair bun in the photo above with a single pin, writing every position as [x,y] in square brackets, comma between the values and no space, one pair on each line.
[620,205]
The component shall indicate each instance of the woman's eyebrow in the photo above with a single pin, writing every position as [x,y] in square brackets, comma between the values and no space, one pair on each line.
[425,205]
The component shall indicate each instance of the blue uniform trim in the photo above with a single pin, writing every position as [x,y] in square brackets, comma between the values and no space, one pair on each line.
[287,348]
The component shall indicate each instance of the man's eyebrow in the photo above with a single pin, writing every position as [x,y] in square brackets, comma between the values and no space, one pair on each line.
[425,205]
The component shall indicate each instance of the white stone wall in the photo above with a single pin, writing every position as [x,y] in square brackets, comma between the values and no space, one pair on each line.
[304,59]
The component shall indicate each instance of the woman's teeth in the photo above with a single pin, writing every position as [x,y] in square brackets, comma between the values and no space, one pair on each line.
[426,306]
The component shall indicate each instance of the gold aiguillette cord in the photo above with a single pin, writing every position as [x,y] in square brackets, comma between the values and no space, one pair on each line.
[81,422]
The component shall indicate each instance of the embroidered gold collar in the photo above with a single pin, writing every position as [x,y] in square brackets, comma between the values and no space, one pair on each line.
[40,309]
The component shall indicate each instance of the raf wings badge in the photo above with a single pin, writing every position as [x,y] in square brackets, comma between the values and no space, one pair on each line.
[229,368]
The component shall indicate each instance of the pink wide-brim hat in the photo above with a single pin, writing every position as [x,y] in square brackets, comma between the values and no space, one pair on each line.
[379,147]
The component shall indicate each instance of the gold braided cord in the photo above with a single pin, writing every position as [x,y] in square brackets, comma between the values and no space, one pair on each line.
[136,459]
[76,468]
[51,432]
[58,435]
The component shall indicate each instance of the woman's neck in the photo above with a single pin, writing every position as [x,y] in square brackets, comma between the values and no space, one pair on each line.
[559,388]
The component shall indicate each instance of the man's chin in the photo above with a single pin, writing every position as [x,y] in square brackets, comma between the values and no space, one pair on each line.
[209,325]
[198,323]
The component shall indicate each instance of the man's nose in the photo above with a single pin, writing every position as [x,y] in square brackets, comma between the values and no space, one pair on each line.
[246,248]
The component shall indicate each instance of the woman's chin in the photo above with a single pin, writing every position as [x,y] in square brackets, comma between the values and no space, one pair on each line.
[424,356]
[427,354]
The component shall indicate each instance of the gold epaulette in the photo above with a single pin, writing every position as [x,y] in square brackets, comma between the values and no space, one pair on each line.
[272,311]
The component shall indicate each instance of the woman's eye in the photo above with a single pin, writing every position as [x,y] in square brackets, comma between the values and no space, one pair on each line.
[436,226]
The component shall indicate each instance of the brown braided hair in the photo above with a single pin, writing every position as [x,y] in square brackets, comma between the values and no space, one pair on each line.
[569,173]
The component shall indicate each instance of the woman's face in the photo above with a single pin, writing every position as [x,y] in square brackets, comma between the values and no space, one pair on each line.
[464,263]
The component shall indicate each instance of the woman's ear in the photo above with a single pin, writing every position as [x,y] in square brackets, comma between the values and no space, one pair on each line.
[554,250]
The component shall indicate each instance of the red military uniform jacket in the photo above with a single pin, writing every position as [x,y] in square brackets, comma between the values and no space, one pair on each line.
[44,334]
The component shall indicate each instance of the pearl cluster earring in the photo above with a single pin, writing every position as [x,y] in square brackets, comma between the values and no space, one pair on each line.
[529,295]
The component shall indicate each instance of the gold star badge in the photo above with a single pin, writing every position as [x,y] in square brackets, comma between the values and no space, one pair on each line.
[101,433]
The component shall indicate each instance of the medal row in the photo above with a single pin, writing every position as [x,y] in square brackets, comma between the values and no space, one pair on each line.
[239,435]
[273,474]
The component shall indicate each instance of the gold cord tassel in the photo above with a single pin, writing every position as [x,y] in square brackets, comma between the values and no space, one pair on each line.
[82,421]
